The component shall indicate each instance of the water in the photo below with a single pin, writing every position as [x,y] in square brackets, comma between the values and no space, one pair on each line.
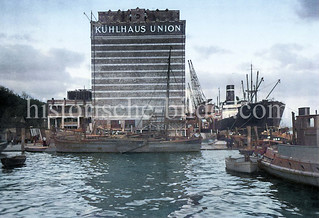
[150,185]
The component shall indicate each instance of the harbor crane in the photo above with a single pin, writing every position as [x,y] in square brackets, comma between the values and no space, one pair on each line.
[198,96]
[191,96]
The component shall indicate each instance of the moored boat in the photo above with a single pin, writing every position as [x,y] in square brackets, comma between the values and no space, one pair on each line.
[249,111]
[126,145]
[159,140]
[285,162]
[16,161]
[245,164]
[298,162]
[37,148]
[262,114]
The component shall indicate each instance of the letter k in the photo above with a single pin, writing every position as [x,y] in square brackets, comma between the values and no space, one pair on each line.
[97,29]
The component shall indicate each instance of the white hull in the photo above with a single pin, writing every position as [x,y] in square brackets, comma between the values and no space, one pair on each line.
[241,165]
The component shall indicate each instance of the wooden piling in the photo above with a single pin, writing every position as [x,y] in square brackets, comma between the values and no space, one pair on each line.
[248,137]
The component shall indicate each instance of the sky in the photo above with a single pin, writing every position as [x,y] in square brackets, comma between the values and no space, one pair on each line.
[45,45]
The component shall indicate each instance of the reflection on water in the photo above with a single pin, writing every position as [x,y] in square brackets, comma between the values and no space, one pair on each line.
[137,184]
[151,185]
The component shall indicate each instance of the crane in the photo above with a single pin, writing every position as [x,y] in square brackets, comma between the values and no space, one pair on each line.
[278,81]
[198,95]
[191,95]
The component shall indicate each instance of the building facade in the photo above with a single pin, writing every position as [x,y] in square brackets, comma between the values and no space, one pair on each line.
[80,94]
[130,65]
[75,112]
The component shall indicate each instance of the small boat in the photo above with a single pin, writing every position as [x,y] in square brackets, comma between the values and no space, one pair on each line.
[245,164]
[38,148]
[16,161]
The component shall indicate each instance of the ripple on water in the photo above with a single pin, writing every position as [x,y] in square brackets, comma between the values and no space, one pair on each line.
[151,185]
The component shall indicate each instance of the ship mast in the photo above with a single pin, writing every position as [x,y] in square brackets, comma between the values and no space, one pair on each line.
[248,96]
[93,43]
[252,90]
[256,90]
[167,94]
[251,83]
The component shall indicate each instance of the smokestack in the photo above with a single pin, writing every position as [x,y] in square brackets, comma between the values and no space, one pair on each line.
[230,94]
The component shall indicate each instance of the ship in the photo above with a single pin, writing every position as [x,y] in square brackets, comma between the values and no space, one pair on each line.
[299,161]
[249,111]
[109,144]
[149,141]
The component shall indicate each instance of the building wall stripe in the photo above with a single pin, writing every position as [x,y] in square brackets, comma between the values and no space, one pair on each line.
[137,64]
[144,77]
[127,98]
[136,51]
[130,91]
[142,44]
[133,58]
[134,84]
[136,71]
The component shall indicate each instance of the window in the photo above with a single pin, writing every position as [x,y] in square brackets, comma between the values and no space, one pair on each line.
[312,122]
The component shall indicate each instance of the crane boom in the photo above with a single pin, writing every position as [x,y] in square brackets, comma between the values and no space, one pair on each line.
[273,88]
[191,96]
[198,94]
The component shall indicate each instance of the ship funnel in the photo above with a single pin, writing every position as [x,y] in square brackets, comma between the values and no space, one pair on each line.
[230,94]
[302,111]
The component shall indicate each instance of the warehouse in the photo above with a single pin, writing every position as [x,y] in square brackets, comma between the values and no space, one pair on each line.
[130,56]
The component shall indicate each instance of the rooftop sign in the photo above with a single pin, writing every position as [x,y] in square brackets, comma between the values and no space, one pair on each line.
[159,28]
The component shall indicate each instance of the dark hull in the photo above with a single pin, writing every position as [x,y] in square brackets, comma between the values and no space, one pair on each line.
[9,162]
[261,114]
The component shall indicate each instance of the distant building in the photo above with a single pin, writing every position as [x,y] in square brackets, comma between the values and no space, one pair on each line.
[130,53]
[72,113]
[80,94]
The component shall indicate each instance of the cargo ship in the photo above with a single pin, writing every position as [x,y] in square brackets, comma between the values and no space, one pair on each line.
[248,111]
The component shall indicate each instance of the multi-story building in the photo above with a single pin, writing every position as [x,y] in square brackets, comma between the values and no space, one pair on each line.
[72,113]
[130,62]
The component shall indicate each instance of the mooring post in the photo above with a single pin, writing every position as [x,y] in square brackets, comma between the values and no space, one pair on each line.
[22,138]
[248,137]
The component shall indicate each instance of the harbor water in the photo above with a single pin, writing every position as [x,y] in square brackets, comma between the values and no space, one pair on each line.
[150,185]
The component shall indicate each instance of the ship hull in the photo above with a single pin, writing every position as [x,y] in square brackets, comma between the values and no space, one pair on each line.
[126,146]
[296,163]
[292,175]
[241,165]
[261,114]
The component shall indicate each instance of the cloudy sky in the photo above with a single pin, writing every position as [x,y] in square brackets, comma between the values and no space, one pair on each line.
[45,45]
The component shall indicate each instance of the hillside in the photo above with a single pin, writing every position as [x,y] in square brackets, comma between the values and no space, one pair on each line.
[13,107]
